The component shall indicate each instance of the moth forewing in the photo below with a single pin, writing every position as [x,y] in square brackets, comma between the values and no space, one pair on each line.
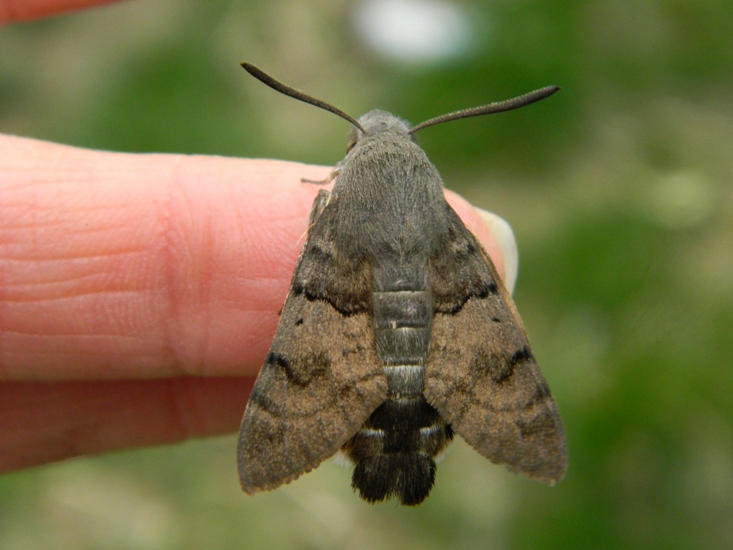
[481,374]
[321,378]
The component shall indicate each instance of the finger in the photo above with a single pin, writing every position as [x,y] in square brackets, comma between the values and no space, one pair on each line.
[48,421]
[123,266]
[26,10]
[140,266]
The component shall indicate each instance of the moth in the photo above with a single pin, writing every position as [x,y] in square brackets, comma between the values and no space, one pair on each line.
[397,333]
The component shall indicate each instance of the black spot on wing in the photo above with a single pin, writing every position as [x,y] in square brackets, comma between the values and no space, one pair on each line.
[463,295]
[315,366]
[504,374]
[520,356]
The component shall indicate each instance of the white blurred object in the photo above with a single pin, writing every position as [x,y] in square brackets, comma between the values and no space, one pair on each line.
[414,31]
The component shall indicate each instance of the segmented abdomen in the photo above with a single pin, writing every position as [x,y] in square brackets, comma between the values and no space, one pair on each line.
[396,448]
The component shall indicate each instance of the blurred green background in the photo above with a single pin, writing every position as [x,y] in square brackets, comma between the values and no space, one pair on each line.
[619,188]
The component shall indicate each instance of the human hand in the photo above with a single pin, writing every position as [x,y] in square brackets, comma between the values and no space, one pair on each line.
[139,293]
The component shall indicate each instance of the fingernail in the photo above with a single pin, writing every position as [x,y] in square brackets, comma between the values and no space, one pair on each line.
[504,236]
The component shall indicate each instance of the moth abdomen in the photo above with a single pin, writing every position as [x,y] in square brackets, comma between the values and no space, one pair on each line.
[403,346]
[404,380]
[409,476]
[402,327]
[396,448]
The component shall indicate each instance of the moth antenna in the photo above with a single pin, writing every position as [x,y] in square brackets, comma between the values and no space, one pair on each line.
[507,105]
[265,78]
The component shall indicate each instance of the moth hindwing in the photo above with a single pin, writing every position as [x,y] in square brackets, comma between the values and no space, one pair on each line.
[397,332]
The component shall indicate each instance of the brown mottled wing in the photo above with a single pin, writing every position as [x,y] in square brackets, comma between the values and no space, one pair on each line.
[322,378]
[481,375]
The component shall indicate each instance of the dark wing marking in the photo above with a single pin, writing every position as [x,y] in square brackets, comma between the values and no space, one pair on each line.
[322,378]
[481,375]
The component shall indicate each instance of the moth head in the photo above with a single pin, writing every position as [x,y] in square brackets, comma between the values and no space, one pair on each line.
[376,122]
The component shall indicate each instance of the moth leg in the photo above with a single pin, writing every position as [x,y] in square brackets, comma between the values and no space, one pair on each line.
[332,176]
[319,203]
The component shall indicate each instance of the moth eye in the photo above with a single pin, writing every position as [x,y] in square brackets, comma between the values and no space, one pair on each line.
[350,144]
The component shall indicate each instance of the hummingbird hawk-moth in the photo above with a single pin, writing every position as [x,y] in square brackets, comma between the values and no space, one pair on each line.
[396,334]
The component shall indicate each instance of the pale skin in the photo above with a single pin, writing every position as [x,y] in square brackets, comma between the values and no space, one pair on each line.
[139,293]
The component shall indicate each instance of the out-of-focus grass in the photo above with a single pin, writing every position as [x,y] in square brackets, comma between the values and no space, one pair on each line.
[620,192]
